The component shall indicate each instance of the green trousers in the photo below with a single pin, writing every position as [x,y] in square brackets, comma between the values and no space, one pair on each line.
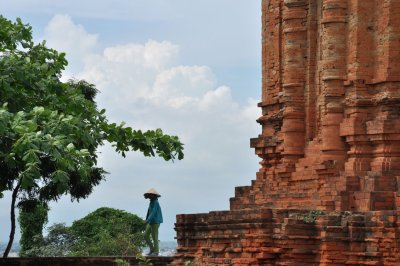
[152,230]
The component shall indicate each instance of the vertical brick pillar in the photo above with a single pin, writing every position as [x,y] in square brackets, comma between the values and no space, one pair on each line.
[332,73]
[268,144]
[294,50]
[311,73]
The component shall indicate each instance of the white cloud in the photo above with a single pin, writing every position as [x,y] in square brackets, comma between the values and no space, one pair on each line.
[128,69]
[152,54]
[220,97]
[182,85]
[64,35]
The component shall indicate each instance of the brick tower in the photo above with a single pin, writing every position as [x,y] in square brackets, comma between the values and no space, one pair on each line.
[328,190]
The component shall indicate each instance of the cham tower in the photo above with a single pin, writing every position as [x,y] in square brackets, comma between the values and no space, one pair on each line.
[328,190]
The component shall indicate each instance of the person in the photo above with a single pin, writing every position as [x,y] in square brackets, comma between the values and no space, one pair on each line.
[153,220]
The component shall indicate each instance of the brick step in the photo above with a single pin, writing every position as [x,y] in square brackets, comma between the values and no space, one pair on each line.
[242,191]
[247,191]
[240,203]
[371,201]
[305,174]
[371,192]
[245,196]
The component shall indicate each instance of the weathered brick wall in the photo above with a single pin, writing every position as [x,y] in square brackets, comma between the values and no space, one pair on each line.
[330,141]
[282,237]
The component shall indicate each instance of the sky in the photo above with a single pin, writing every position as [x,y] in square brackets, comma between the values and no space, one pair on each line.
[191,68]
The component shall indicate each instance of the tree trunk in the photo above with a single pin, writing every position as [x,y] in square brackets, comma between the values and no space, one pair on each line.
[12,215]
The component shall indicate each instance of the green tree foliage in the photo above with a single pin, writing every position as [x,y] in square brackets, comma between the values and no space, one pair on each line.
[32,219]
[58,242]
[108,231]
[50,130]
[104,232]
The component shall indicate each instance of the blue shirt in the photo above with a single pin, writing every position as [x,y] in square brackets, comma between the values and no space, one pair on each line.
[154,214]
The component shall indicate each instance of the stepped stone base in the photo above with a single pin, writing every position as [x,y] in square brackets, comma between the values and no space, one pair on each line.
[289,237]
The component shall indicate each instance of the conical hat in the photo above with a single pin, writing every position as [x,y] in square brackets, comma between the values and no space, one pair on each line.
[152,191]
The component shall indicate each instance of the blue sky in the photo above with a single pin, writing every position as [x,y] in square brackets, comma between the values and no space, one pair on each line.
[192,68]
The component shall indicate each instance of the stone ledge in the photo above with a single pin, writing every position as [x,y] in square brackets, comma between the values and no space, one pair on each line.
[78,261]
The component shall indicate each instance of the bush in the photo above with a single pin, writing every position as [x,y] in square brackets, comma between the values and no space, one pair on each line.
[104,232]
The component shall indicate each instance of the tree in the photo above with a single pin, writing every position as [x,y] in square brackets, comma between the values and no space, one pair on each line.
[50,130]
[32,219]
[56,243]
[104,232]
[107,232]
